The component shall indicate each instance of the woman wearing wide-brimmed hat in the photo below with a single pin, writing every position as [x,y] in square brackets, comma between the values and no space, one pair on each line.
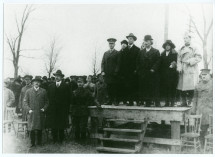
[168,73]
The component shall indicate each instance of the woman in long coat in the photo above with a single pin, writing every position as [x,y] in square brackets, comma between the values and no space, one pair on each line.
[168,73]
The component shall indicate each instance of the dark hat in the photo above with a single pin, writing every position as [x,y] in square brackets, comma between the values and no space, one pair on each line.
[132,35]
[67,79]
[111,40]
[81,79]
[17,80]
[169,42]
[124,42]
[37,78]
[58,73]
[147,37]
[45,78]
[205,71]
[28,76]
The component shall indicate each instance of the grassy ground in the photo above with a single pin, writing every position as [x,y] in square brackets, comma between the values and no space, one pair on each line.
[13,144]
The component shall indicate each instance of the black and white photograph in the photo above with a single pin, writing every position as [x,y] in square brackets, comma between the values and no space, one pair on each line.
[90,77]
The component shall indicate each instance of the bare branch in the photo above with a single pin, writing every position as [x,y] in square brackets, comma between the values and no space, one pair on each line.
[209,28]
[197,31]
[27,56]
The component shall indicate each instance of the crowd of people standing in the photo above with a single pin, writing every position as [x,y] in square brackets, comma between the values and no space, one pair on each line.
[132,75]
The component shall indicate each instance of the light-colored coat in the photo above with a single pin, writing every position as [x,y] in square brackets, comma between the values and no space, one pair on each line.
[203,101]
[21,98]
[35,101]
[9,99]
[187,63]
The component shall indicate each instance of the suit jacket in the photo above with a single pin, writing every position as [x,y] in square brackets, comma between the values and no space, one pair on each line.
[58,110]
[128,59]
[110,66]
[147,61]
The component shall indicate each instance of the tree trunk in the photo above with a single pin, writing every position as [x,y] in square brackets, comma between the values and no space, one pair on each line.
[205,55]
[166,25]
[16,69]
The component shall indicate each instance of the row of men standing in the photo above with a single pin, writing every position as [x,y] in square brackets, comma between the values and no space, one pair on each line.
[49,108]
[140,75]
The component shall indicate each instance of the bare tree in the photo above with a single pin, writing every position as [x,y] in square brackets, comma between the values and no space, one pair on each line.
[15,42]
[52,57]
[202,35]
[166,25]
[95,66]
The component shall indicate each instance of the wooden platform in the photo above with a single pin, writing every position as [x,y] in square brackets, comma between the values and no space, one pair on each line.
[171,115]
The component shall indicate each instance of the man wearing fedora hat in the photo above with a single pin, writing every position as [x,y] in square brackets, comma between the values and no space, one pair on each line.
[168,73]
[148,63]
[109,69]
[128,62]
[187,66]
[36,103]
[58,111]
[28,85]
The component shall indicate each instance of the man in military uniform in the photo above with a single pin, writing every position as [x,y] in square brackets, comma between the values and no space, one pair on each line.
[109,69]
[81,99]
[187,66]
[148,72]
[203,100]
[28,85]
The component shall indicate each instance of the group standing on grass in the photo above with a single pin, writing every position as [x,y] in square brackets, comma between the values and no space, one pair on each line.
[144,76]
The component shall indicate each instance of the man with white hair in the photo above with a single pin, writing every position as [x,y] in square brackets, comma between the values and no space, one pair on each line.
[187,66]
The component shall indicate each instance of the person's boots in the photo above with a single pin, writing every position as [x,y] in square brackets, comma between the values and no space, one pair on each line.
[32,136]
[108,103]
[166,103]
[39,137]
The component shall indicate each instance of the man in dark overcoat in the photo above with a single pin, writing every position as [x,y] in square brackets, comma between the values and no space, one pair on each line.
[58,111]
[109,69]
[148,72]
[35,104]
[168,73]
[128,65]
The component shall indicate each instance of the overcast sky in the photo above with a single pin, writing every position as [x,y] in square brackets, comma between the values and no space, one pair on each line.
[80,29]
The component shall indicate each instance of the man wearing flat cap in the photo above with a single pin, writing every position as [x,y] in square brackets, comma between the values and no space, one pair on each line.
[28,85]
[148,63]
[58,111]
[128,63]
[187,66]
[168,73]
[109,69]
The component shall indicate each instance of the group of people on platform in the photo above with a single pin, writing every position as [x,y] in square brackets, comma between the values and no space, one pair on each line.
[146,76]
[131,75]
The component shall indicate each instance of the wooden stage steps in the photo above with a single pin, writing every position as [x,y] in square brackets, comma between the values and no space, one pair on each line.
[112,140]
